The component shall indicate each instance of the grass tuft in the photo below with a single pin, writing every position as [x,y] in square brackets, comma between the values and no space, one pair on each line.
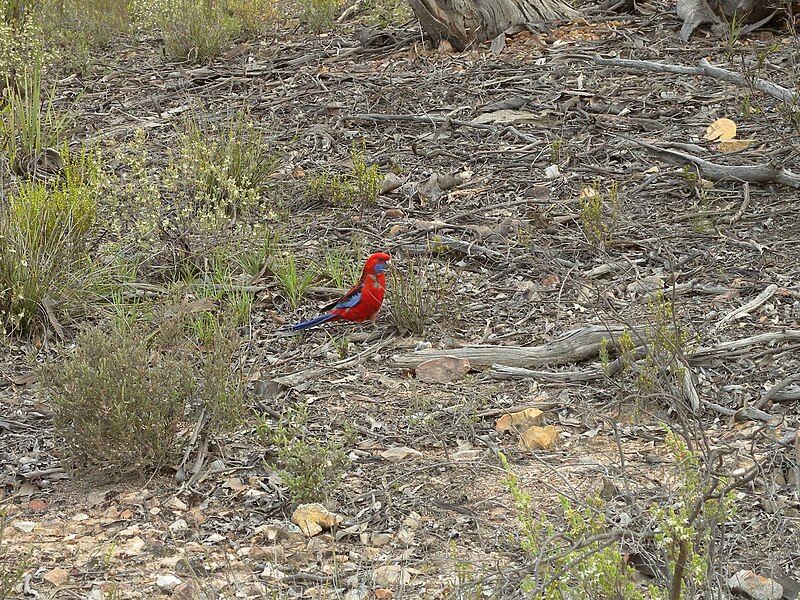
[416,294]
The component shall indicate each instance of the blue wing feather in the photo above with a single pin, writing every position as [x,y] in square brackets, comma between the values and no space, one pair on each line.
[349,300]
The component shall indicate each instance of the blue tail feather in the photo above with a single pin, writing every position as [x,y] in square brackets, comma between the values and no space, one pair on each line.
[311,322]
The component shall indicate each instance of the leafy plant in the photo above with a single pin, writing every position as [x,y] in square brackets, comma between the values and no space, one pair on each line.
[221,170]
[416,294]
[687,527]
[21,40]
[319,15]
[600,214]
[592,569]
[311,468]
[119,403]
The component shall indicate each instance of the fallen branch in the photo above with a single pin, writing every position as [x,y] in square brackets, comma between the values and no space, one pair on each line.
[771,172]
[705,69]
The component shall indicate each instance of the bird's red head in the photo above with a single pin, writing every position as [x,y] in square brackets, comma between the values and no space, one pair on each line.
[376,264]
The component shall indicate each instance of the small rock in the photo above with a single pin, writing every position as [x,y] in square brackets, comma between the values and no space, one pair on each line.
[390,183]
[442,370]
[25,526]
[37,505]
[177,504]
[185,591]
[357,593]
[755,586]
[57,577]
[167,582]
[178,526]
[380,539]
[394,213]
[383,593]
[538,438]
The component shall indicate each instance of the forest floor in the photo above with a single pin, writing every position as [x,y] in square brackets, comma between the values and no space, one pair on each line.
[516,253]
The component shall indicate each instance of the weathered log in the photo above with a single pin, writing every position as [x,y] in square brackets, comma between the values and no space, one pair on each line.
[571,347]
[465,22]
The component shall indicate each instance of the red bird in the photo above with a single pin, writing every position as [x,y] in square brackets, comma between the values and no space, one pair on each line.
[362,302]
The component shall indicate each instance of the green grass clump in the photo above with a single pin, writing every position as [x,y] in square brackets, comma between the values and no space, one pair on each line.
[46,229]
[29,121]
[197,31]
[21,40]
[295,282]
[416,294]
[357,189]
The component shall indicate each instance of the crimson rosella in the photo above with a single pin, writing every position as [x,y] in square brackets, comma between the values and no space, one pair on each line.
[362,302]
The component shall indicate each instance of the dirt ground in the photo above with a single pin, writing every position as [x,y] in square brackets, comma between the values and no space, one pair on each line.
[472,136]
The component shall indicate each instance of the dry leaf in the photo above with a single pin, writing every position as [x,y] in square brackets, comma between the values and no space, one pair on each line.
[721,129]
[538,438]
[519,421]
[733,145]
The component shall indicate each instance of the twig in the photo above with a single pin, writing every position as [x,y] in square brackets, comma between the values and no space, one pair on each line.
[747,308]
[773,391]
[745,203]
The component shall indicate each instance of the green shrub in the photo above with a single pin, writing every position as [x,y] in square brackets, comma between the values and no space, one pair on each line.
[221,171]
[21,40]
[123,398]
[312,469]
[119,403]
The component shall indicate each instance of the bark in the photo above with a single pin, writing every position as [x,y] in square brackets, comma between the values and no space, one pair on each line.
[465,22]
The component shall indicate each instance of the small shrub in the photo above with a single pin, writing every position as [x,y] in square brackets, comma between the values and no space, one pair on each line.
[595,570]
[319,15]
[123,398]
[312,469]
[119,403]
[416,294]
[221,171]
[359,188]
[688,524]
[21,40]
[666,343]
[600,215]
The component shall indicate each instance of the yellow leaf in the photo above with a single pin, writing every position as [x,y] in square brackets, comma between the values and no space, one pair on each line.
[721,129]
[733,145]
